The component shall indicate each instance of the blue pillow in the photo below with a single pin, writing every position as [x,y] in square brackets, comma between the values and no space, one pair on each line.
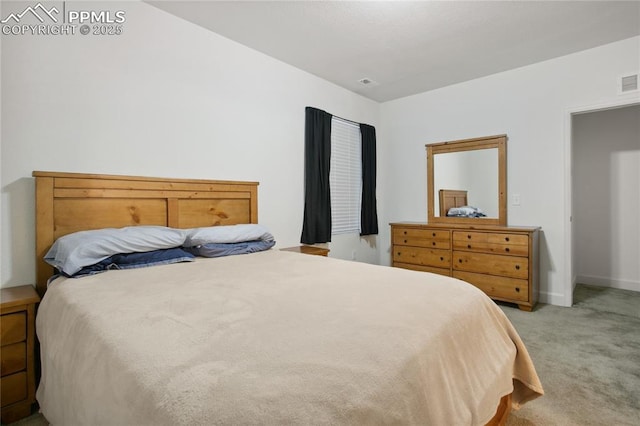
[72,252]
[228,249]
[136,260]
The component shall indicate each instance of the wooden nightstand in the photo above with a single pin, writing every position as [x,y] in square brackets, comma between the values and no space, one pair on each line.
[17,338]
[318,251]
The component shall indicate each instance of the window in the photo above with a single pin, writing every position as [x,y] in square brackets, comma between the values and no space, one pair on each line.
[345,176]
[339,177]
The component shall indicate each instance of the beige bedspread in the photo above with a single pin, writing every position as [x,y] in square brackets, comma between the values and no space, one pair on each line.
[276,338]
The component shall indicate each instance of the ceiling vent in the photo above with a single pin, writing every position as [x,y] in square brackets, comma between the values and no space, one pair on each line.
[628,83]
[368,82]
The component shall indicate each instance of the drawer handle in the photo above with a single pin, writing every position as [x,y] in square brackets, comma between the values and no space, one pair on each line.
[441,258]
[506,238]
[405,232]
[433,243]
[468,245]
[405,241]
[433,235]
[518,267]
[459,260]
[399,254]
[517,289]
[506,249]
[468,236]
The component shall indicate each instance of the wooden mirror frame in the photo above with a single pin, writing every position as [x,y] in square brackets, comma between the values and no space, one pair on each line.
[488,142]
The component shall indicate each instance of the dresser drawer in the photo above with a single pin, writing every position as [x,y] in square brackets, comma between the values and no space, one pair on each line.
[482,247]
[13,328]
[13,358]
[422,238]
[511,289]
[421,268]
[507,266]
[13,388]
[422,256]
[486,242]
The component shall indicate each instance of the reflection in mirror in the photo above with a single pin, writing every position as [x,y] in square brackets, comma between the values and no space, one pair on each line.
[475,172]
[471,172]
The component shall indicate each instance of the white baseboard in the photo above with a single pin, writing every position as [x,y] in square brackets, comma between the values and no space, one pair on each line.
[556,299]
[609,282]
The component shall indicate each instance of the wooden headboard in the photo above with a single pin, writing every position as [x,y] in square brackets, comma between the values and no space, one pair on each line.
[71,202]
[450,198]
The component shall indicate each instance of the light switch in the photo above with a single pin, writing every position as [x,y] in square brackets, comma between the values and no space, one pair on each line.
[515,199]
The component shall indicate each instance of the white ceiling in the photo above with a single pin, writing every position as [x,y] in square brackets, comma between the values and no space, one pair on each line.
[411,47]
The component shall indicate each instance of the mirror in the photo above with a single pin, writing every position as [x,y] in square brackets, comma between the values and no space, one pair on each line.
[469,172]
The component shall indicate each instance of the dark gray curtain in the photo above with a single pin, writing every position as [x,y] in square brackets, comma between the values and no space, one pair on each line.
[316,226]
[368,211]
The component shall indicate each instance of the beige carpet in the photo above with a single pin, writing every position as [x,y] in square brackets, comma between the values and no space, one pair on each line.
[587,356]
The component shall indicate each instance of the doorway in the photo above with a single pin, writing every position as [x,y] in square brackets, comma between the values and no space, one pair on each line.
[605,201]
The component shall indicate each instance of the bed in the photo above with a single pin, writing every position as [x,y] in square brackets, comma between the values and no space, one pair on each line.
[272,337]
[451,198]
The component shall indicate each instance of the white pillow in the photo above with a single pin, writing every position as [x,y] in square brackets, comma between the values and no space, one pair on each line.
[227,234]
[72,252]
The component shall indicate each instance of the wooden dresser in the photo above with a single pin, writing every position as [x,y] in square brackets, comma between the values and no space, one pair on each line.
[500,260]
[17,337]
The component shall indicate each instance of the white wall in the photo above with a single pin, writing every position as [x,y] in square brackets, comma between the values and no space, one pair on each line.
[529,104]
[166,98]
[606,185]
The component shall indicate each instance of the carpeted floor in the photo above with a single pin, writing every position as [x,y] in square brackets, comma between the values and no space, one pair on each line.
[587,356]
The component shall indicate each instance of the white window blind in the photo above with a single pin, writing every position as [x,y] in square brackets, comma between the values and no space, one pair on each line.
[345,176]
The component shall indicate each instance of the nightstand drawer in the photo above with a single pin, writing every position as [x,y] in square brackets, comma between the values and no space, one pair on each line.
[13,328]
[13,388]
[14,358]
[17,353]
[306,249]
